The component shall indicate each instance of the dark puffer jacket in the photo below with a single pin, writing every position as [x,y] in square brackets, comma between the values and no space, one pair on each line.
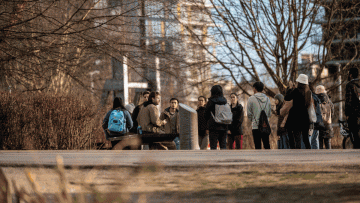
[216,98]
[202,122]
[238,118]
[352,105]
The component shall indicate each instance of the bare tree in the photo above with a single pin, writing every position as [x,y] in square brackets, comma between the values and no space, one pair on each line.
[257,38]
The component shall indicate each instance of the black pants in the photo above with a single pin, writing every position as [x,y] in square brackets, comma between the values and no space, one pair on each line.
[327,142]
[203,139]
[215,136]
[295,138]
[260,136]
[354,127]
[231,138]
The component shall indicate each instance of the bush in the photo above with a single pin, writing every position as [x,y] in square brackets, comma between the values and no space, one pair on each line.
[41,121]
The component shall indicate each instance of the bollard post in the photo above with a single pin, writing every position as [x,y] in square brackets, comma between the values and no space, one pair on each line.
[188,128]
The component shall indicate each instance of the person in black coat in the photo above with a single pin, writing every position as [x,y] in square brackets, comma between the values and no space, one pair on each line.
[217,132]
[235,130]
[352,105]
[202,124]
[298,121]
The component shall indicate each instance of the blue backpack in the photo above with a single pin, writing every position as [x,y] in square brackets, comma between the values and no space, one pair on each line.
[117,122]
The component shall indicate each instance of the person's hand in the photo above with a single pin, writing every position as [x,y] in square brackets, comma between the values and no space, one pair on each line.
[207,132]
[164,122]
[229,132]
[291,85]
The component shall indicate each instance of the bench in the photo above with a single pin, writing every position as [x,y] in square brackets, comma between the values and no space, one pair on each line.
[146,138]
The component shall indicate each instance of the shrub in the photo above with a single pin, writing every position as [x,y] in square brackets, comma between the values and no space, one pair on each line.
[43,121]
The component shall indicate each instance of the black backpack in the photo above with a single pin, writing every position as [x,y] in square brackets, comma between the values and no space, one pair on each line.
[264,126]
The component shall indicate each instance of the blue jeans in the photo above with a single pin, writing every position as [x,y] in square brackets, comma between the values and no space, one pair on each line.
[283,143]
[314,141]
[177,142]
[302,141]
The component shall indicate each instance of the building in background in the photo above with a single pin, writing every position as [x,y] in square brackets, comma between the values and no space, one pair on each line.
[340,23]
[172,31]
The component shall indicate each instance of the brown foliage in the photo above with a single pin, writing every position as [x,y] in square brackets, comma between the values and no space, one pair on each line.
[42,121]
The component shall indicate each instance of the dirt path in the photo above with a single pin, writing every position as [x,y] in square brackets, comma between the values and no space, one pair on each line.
[248,183]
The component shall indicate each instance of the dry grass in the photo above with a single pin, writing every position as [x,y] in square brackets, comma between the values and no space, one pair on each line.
[42,121]
[152,182]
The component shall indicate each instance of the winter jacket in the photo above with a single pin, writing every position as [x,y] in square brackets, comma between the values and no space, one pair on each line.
[238,118]
[298,118]
[149,118]
[216,98]
[324,98]
[328,131]
[202,122]
[352,104]
[317,108]
[134,117]
[256,104]
[166,115]
[128,120]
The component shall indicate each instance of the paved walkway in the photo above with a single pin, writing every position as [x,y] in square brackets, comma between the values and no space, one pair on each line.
[179,158]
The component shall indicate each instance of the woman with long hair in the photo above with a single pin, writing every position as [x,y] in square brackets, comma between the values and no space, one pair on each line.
[217,132]
[117,105]
[298,121]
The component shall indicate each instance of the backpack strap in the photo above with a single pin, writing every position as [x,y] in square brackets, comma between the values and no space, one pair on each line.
[260,104]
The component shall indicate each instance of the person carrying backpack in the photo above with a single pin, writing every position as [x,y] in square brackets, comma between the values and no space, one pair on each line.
[352,105]
[218,116]
[319,124]
[117,121]
[259,112]
[327,112]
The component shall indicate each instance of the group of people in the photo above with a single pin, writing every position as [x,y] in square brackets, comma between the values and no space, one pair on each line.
[304,117]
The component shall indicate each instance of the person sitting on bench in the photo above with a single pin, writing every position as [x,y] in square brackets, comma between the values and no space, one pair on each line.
[150,122]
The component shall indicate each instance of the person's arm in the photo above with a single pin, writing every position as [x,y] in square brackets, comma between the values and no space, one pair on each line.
[249,108]
[268,110]
[154,117]
[106,120]
[241,117]
[129,122]
[332,109]
[135,113]
[348,98]
[208,110]
[162,115]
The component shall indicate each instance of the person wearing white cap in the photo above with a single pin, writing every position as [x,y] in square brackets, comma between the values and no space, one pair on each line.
[298,122]
[327,112]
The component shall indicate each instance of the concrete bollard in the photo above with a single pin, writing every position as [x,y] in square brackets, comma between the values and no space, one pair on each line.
[188,128]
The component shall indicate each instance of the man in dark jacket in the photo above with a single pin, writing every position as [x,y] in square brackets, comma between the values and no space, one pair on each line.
[352,105]
[202,124]
[136,111]
[171,115]
[235,129]
[217,132]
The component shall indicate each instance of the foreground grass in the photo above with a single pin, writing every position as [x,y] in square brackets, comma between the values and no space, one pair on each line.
[155,183]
